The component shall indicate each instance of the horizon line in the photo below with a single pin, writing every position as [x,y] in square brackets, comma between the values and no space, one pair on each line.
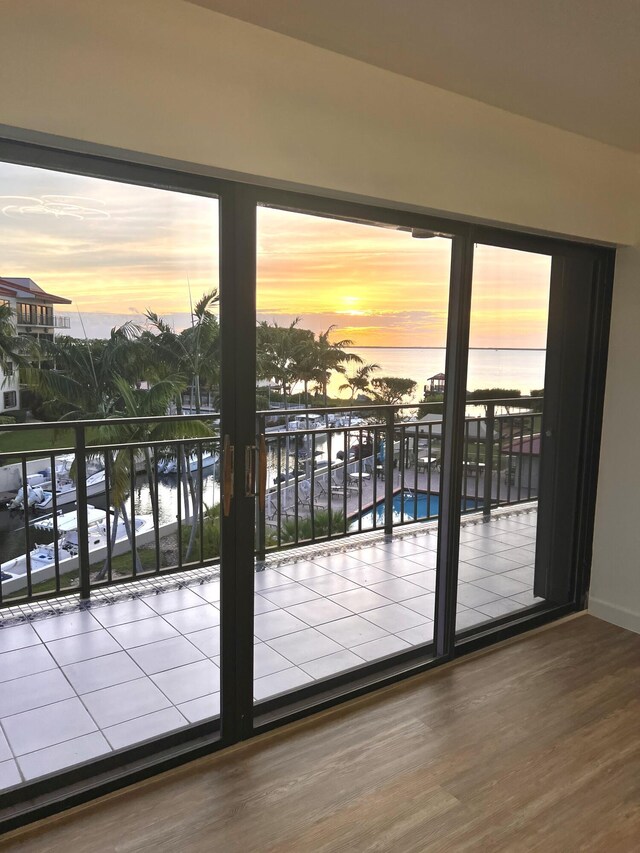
[374,346]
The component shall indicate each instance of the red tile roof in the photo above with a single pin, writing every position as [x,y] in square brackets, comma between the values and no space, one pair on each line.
[27,288]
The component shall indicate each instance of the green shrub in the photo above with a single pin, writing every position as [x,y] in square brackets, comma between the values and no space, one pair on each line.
[211,537]
[320,526]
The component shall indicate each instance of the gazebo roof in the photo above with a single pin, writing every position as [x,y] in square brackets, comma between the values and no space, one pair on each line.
[437,376]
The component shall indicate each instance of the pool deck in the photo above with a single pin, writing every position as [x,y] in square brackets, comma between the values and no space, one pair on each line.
[364,492]
[142,660]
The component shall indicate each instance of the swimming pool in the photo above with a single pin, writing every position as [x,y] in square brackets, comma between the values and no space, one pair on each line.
[417,506]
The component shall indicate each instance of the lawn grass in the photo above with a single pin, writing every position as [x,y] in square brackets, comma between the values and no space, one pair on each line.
[47,438]
[23,441]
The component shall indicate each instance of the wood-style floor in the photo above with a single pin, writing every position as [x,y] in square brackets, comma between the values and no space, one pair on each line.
[534,745]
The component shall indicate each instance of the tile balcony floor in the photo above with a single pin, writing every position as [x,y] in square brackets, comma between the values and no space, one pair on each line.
[77,686]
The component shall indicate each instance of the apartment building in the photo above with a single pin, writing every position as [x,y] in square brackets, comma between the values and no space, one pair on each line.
[34,317]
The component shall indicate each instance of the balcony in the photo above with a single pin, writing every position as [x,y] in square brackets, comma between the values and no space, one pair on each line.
[345,561]
[56,321]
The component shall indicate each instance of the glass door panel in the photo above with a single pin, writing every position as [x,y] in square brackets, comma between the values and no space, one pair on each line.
[116,287]
[351,334]
[502,451]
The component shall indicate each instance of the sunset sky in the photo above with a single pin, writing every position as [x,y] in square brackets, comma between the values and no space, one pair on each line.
[116,250]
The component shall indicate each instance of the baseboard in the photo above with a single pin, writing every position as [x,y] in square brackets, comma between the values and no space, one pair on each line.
[613,613]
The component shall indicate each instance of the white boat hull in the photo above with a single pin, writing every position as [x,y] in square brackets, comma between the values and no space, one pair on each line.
[40,496]
[43,570]
[66,496]
[170,466]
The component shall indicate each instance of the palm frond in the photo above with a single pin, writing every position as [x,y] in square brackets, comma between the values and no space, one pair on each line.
[177,430]
[55,385]
[205,302]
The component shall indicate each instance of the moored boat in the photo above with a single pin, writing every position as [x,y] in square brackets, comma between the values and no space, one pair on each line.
[170,466]
[41,564]
[41,497]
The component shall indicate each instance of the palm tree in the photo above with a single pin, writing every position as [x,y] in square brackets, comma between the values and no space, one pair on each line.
[135,403]
[86,384]
[331,357]
[306,365]
[83,383]
[14,348]
[285,354]
[194,352]
[360,381]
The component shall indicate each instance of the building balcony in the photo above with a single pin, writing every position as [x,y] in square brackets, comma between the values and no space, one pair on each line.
[52,321]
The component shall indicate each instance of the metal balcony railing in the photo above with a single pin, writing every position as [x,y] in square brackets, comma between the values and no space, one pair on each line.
[122,500]
[55,321]
[366,468]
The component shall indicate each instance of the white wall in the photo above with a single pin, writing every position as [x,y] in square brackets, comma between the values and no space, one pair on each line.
[176,80]
[615,583]
[166,78]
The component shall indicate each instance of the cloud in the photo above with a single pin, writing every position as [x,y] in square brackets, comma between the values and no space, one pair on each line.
[57,206]
[107,245]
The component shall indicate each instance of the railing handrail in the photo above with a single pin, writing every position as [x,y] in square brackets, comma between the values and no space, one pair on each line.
[327,410]
[381,425]
[182,418]
[95,422]
[92,449]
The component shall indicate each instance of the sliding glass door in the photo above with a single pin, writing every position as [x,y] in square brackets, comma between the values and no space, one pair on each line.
[503,445]
[348,460]
[350,354]
[283,449]
[110,544]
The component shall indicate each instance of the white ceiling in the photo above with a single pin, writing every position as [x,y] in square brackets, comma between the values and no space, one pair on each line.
[570,63]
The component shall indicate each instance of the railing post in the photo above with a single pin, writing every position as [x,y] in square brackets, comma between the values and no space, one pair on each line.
[388,470]
[488,459]
[81,515]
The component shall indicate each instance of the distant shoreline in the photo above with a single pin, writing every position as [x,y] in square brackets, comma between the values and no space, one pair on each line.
[490,349]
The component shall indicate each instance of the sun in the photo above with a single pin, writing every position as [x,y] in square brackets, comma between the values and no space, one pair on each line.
[350,305]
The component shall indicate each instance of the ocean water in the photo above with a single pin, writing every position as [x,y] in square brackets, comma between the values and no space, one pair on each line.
[488,368]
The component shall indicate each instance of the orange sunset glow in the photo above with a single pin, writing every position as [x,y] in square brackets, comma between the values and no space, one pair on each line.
[116,250]
[382,287]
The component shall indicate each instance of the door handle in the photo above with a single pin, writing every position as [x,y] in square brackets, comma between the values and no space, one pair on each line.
[250,470]
[262,473]
[228,454]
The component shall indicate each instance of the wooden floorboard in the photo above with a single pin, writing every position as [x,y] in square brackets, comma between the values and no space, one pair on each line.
[532,746]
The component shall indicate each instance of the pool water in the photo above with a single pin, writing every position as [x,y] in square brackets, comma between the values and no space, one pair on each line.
[417,506]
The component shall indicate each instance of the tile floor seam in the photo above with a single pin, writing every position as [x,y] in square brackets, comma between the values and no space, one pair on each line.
[310,628]
[58,743]
[64,740]
[137,716]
